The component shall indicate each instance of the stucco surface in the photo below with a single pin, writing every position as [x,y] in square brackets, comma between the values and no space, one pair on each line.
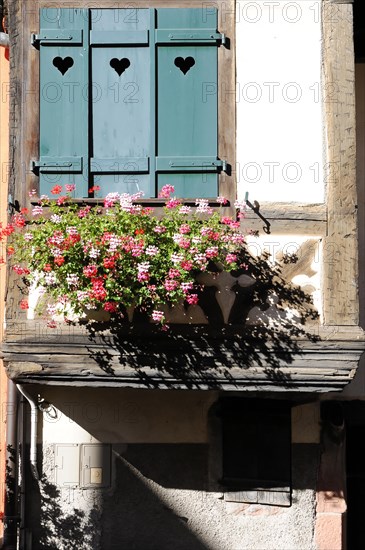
[161,496]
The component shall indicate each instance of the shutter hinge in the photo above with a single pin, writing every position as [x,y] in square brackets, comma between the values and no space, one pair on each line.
[178,164]
[57,164]
[163,36]
[57,37]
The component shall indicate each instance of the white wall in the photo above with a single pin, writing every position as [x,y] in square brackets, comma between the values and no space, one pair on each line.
[279,104]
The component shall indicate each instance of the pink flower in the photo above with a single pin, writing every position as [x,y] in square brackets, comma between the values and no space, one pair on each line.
[32,193]
[84,212]
[212,252]
[184,229]
[231,258]
[173,203]
[143,274]
[158,315]
[182,241]
[37,211]
[222,200]
[111,199]
[170,284]
[166,191]
[70,187]
[159,229]
[174,273]
[192,299]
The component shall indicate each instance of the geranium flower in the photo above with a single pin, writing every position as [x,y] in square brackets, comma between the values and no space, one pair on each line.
[166,191]
[85,257]
[157,315]
[37,211]
[56,190]
[192,299]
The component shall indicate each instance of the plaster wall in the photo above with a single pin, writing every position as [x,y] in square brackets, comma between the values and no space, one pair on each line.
[161,495]
[279,104]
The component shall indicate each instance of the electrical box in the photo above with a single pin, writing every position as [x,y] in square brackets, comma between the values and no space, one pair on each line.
[67,465]
[95,466]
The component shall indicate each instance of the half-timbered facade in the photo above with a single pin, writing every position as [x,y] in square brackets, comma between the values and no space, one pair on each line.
[223,432]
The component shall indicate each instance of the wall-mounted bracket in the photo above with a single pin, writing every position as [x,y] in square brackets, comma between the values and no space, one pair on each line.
[256,208]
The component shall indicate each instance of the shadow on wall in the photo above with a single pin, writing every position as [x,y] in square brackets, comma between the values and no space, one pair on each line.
[60,529]
[267,316]
[132,517]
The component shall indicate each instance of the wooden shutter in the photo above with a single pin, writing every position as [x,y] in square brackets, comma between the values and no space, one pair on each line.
[145,115]
[122,77]
[187,125]
[256,444]
[64,48]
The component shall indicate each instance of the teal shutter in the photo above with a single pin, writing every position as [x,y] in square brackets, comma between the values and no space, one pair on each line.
[63,43]
[187,123]
[144,115]
[122,78]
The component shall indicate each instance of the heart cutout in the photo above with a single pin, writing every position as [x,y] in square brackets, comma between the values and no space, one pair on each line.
[120,65]
[184,64]
[64,64]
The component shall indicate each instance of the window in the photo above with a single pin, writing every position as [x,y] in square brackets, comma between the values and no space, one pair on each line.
[256,450]
[128,100]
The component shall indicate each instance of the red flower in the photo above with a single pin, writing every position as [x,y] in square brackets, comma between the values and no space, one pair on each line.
[110,306]
[10,250]
[59,260]
[24,304]
[109,263]
[9,229]
[56,190]
[47,267]
[90,270]
[19,220]
[139,232]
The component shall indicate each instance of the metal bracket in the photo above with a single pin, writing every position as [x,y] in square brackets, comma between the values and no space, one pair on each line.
[198,35]
[57,37]
[256,209]
[190,163]
[57,164]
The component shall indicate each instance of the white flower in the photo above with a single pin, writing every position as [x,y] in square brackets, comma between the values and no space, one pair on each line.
[94,252]
[143,267]
[50,278]
[152,250]
[72,279]
[177,258]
